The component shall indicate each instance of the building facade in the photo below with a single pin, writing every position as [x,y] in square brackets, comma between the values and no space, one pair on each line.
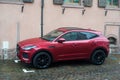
[21,19]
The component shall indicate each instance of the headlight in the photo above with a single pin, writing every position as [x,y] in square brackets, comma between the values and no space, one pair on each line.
[29,47]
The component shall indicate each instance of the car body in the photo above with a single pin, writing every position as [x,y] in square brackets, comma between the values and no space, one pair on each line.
[65,43]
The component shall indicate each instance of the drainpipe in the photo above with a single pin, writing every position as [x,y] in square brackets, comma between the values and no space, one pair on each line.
[119,3]
[119,38]
[42,11]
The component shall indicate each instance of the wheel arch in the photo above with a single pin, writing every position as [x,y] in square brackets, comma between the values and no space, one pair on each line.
[100,48]
[43,50]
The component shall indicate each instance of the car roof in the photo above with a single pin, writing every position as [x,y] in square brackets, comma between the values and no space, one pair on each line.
[73,28]
[65,29]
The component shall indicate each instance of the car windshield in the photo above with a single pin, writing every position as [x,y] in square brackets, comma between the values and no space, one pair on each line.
[52,35]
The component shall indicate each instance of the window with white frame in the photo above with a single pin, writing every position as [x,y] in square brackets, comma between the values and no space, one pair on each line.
[113,3]
[16,1]
[72,3]
[112,40]
[11,1]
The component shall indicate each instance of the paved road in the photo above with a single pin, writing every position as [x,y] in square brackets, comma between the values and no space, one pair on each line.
[69,70]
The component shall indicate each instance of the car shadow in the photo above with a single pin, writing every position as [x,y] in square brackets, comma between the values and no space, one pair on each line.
[72,63]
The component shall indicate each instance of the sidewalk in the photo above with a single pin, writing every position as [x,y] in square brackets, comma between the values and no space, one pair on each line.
[72,70]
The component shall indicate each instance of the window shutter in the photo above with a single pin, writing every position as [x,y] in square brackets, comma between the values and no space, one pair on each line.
[58,2]
[101,3]
[88,3]
[28,1]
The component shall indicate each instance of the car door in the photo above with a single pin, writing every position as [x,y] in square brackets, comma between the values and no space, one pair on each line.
[85,44]
[67,50]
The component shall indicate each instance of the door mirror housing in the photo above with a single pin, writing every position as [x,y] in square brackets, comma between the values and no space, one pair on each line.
[61,40]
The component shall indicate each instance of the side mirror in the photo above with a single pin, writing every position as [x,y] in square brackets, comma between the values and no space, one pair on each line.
[61,40]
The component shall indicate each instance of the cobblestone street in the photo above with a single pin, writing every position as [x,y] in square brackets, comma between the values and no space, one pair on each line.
[72,70]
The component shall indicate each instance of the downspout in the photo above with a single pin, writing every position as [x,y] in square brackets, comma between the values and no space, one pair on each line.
[119,38]
[42,11]
[119,3]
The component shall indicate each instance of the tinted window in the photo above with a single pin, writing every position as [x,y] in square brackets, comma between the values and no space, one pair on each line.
[52,35]
[70,36]
[87,35]
[82,36]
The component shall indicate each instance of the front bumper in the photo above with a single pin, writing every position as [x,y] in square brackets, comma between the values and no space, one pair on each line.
[25,55]
[24,59]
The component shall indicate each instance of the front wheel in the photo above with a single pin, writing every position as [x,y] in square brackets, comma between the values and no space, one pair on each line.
[98,57]
[42,60]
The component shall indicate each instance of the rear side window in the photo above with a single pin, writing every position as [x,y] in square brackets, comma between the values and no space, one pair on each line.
[87,35]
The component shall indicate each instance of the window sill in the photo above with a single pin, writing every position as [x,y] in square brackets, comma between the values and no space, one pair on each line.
[112,8]
[12,2]
[112,23]
[72,6]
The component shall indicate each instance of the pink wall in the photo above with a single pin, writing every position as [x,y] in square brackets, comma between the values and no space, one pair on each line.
[29,20]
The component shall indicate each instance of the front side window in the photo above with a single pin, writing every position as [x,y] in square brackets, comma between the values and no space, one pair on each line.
[71,36]
[52,35]
[113,3]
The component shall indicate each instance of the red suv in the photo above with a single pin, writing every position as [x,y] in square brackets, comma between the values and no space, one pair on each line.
[66,43]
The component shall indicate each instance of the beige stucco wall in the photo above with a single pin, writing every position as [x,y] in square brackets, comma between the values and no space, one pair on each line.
[29,20]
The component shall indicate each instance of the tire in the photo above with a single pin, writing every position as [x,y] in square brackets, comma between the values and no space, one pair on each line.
[42,60]
[98,57]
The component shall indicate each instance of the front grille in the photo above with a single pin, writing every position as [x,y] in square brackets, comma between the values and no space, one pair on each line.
[17,49]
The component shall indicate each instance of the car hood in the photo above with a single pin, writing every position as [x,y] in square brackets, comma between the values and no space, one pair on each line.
[32,41]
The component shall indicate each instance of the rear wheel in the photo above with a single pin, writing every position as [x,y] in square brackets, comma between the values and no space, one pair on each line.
[98,57]
[42,60]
